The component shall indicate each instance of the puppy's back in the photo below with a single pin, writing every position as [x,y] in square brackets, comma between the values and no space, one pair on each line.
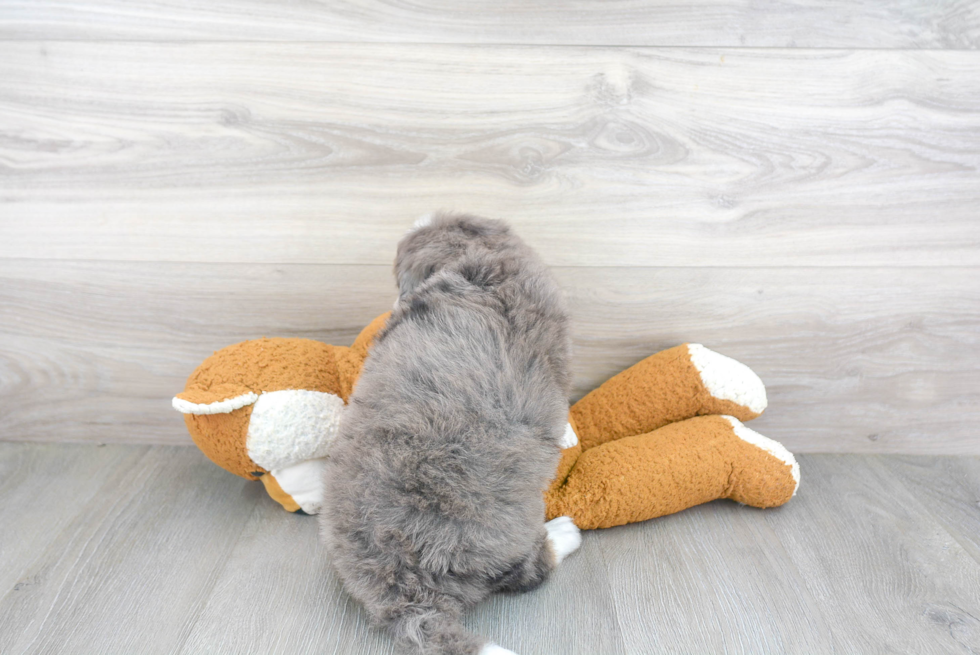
[434,487]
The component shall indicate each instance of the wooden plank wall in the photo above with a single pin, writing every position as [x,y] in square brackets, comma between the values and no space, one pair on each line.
[795,185]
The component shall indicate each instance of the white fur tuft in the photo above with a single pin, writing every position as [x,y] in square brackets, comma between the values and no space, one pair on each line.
[564,536]
[292,426]
[728,379]
[222,407]
[494,649]
[772,447]
[422,221]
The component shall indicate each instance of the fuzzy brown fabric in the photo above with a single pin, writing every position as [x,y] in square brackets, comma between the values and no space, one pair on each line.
[256,366]
[661,389]
[349,367]
[222,438]
[623,470]
[665,471]
[277,494]
[263,365]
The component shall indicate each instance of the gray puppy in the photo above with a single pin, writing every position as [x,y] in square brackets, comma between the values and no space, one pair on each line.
[433,488]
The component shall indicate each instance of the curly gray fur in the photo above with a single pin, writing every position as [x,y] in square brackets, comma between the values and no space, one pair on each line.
[434,485]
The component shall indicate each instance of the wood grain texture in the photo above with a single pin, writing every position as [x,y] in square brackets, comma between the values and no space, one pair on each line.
[278,594]
[131,570]
[43,488]
[173,555]
[852,564]
[325,153]
[573,612]
[710,580]
[890,577]
[789,23]
[949,488]
[278,566]
[856,359]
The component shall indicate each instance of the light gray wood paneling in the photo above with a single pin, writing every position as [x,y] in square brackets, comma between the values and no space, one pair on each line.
[852,564]
[278,570]
[949,488]
[320,153]
[712,579]
[855,359]
[43,488]
[174,555]
[573,612]
[130,572]
[791,23]
[890,578]
[278,566]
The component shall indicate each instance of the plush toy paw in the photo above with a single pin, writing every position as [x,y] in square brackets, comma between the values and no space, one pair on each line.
[667,387]
[760,478]
[727,379]
[563,536]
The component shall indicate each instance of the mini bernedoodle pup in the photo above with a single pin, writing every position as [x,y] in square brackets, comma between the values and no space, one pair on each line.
[434,484]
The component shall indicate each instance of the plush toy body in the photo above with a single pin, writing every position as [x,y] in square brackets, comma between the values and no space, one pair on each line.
[661,436]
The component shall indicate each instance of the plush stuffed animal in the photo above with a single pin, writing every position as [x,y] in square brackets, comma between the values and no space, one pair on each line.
[662,436]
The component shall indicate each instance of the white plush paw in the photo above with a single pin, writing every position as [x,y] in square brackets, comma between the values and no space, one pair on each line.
[494,649]
[564,536]
[728,379]
[771,446]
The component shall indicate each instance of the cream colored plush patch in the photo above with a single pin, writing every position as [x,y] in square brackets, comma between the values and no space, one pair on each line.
[304,482]
[291,426]
[772,447]
[222,407]
[728,379]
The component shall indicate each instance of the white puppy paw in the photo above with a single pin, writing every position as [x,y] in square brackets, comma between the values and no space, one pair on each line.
[564,536]
[494,649]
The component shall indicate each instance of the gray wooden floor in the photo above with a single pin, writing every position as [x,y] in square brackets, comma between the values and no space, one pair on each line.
[153,549]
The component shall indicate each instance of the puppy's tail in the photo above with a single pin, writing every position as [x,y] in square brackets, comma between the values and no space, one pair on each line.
[428,631]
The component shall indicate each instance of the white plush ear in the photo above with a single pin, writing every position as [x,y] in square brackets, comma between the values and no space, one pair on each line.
[221,407]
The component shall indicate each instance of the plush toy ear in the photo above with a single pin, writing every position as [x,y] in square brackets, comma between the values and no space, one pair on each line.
[219,399]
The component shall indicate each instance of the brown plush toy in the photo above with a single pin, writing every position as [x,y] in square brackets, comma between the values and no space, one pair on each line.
[661,436]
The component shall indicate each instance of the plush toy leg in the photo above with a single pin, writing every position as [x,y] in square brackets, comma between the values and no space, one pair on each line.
[298,487]
[672,385]
[670,469]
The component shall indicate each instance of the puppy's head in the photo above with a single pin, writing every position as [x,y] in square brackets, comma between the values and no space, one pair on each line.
[437,240]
